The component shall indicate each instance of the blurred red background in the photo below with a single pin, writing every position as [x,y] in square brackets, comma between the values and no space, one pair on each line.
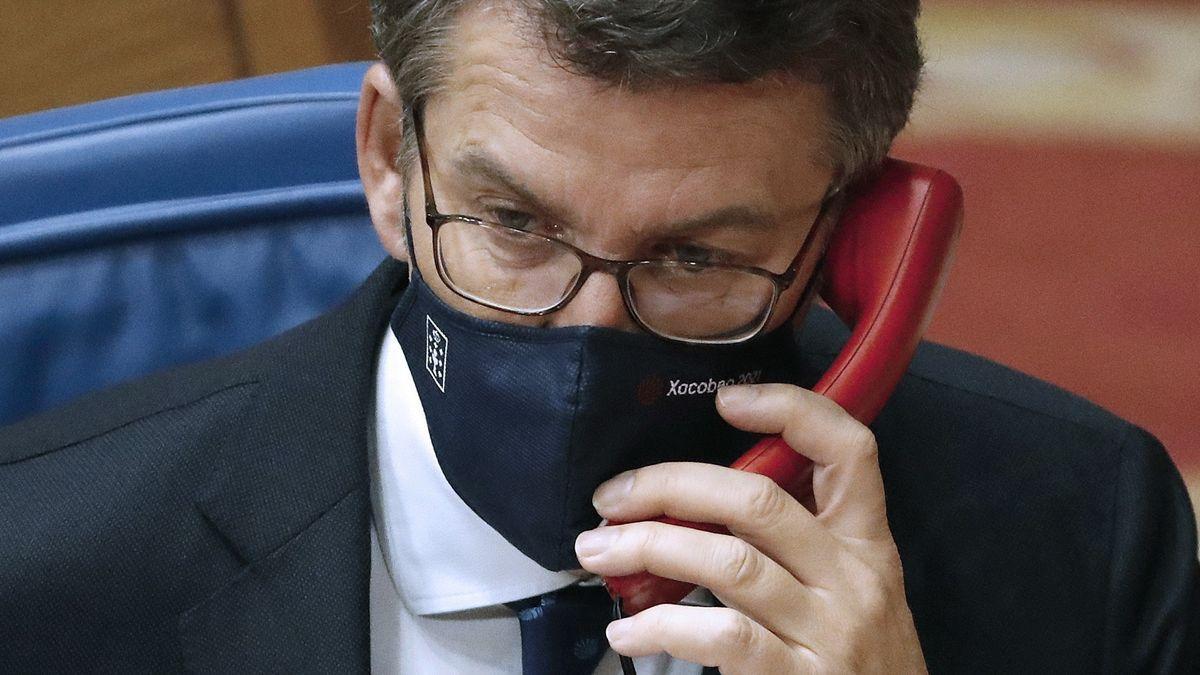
[1075,130]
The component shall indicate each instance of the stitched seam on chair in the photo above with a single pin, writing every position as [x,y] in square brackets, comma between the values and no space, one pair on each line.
[286,195]
[194,110]
[342,197]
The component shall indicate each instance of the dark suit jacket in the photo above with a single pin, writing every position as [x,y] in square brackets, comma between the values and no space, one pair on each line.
[215,518]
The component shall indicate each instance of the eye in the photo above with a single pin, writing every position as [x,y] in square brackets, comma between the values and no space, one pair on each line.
[517,220]
[694,253]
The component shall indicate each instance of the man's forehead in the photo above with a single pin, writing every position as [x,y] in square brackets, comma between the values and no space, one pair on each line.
[498,56]
[662,154]
[477,163]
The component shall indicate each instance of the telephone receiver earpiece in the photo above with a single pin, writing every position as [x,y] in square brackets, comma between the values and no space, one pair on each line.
[884,270]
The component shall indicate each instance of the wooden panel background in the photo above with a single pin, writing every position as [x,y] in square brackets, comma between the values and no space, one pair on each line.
[61,52]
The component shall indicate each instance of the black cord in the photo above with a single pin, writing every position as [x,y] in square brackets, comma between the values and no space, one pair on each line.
[626,662]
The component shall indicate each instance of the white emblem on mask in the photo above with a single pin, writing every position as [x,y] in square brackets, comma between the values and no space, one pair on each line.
[436,344]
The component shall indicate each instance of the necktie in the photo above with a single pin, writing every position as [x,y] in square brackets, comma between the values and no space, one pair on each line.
[563,631]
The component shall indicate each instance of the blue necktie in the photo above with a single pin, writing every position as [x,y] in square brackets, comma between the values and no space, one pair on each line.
[563,631]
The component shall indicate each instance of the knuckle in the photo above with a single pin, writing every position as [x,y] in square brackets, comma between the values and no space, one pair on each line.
[797,399]
[875,598]
[767,501]
[740,563]
[792,392]
[639,478]
[646,539]
[658,482]
[736,631]
[861,442]
[655,620]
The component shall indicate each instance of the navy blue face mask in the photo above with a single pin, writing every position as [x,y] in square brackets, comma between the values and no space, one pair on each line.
[527,422]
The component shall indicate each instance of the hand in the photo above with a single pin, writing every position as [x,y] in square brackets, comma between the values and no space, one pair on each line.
[803,592]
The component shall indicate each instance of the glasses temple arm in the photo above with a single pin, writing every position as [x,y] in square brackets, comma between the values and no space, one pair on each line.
[418,126]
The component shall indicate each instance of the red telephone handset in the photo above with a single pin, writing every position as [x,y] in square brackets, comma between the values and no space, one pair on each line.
[884,271]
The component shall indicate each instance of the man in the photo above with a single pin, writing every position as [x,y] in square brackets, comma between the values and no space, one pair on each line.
[337,498]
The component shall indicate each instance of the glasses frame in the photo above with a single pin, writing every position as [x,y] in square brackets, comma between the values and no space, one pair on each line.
[619,269]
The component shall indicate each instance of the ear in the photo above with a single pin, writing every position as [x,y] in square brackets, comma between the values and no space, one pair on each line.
[379,133]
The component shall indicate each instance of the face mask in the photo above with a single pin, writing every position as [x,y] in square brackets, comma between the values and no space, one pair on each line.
[527,422]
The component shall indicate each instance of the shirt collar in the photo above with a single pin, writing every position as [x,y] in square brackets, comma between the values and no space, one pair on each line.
[441,556]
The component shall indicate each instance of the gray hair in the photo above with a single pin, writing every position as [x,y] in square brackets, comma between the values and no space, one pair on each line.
[865,54]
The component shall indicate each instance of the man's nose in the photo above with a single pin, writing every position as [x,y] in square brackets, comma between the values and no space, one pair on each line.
[598,303]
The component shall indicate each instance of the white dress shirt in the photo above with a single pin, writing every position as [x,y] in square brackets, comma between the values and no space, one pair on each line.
[439,573]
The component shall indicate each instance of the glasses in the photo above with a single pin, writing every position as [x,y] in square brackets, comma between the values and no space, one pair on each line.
[530,274]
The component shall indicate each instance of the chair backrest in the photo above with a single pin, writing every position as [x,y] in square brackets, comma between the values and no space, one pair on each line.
[162,228]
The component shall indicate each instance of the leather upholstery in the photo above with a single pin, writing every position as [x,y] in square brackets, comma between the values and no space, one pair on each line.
[168,227]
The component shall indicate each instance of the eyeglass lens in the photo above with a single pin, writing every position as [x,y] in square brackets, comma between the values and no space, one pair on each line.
[506,268]
[522,272]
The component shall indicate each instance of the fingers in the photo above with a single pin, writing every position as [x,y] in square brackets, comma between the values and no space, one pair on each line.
[736,572]
[710,636]
[847,485]
[752,507]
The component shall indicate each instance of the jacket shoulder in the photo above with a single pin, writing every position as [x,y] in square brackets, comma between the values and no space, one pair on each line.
[1010,498]
[97,514]
[942,378]
[955,374]
[99,413]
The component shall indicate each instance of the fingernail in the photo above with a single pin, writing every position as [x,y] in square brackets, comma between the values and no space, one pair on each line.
[612,491]
[617,630]
[736,395]
[594,542]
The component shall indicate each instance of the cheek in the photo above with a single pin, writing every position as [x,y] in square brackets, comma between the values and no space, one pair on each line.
[786,306]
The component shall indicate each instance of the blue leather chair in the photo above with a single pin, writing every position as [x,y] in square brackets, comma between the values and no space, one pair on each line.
[152,230]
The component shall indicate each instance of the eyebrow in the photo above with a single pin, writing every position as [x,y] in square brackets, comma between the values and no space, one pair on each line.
[479,164]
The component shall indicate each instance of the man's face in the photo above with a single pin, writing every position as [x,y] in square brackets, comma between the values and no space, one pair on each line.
[713,172]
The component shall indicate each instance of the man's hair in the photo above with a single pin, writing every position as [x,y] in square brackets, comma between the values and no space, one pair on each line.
[865,54]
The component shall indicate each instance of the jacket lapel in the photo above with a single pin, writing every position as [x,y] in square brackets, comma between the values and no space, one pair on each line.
[289,495]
